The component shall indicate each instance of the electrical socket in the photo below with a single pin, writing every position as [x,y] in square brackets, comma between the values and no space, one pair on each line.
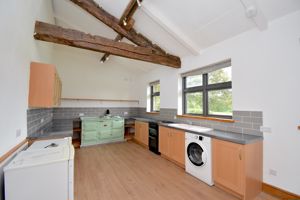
[125,113]
[81,114]
[272,172]
[18,133]
[265,129]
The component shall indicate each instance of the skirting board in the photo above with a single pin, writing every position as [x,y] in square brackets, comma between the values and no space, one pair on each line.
[277,192]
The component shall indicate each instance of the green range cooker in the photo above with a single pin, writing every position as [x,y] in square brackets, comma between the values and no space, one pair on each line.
[100,130]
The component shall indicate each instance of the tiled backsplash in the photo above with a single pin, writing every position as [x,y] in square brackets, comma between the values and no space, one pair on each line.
[247,122]
[61,119]
[39,120]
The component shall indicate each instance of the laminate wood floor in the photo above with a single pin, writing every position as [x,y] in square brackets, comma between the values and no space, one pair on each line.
[127,171]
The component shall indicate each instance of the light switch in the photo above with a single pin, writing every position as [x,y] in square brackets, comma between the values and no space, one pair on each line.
[265,129]
[273,172]
[18,133]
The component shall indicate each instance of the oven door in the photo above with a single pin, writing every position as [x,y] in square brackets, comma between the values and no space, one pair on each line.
[153,141]
[153,132]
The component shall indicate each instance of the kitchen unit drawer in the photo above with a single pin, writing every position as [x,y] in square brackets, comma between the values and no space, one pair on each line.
[105,134]
[118,123]
[90,138]
[91,126]
[117,132]
[238,168]
[105,124]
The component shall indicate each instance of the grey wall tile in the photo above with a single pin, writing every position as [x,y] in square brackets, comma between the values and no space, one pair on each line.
[242,125]
[61,119]
[250,121]
[256,114]
[242,113]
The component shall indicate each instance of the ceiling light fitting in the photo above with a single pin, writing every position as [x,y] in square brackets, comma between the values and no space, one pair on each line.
[251,12]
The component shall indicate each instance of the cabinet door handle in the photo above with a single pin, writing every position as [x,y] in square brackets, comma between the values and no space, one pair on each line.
[240,155]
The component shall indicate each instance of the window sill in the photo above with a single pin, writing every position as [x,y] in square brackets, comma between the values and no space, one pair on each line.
[207,118]
[153,113]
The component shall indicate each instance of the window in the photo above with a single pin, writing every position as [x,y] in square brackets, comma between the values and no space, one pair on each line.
[155,96]
[208,91]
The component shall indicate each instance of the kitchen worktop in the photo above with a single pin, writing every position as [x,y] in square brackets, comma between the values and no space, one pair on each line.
[239,138]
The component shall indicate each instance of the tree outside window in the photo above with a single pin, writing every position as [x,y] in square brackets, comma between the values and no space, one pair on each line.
[209,94]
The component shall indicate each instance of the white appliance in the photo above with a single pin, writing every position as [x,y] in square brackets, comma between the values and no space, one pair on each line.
[46,144]
[198,158]
[41,173]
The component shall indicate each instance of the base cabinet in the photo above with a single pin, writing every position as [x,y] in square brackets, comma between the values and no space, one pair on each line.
[238,168]
[141,133]
[101,130]
[172,144]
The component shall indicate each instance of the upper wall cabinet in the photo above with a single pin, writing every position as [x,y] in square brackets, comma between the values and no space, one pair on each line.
[45,86]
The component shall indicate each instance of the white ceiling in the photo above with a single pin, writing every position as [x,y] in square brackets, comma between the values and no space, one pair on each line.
[180,27]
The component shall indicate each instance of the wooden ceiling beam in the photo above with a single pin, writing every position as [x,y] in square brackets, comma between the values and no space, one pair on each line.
[130,10]
[55,34]
[126,21]
[94,9]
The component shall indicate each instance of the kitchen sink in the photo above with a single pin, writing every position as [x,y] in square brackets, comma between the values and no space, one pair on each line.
[191,127]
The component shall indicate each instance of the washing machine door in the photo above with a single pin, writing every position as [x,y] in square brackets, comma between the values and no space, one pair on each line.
[196,154]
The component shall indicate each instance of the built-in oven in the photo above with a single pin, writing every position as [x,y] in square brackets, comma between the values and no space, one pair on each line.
[153,137]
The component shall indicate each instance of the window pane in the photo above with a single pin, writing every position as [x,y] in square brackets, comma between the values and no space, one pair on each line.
[220,76]
[156,88]
[156,103]
[193,81]
[194,103]
[220,102]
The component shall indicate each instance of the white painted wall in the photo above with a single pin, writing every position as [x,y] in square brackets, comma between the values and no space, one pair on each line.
[83,76]
[266,68]
[17,49]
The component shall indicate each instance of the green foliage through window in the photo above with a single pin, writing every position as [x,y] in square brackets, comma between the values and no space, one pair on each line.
[194,104]
[220,102]
[209,94]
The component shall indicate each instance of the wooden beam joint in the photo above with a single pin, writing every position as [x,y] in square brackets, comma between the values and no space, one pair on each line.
[55,34]
[94,9]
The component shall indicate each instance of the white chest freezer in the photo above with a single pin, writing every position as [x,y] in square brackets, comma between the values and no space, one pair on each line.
[47,144]
[41,173]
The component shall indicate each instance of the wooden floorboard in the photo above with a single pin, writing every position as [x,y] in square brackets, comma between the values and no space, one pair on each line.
[128,171]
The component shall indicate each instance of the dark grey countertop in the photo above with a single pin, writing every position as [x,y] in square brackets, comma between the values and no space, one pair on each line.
[238,138]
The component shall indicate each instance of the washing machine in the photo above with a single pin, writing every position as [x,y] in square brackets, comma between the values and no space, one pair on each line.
[198,158]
